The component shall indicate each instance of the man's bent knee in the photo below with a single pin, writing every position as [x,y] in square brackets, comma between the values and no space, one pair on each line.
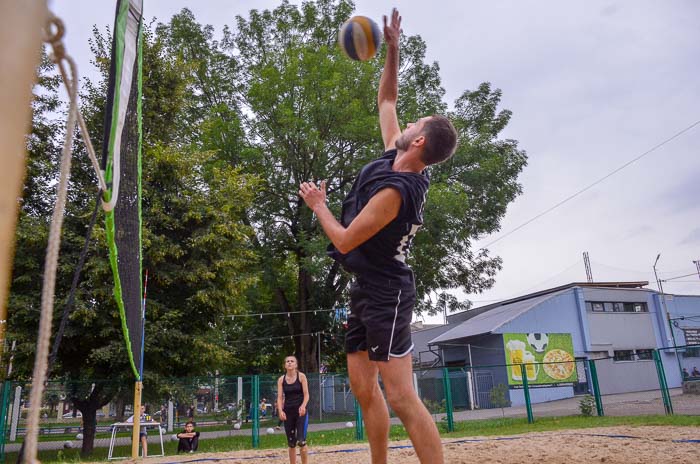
[366,393]
[403,400]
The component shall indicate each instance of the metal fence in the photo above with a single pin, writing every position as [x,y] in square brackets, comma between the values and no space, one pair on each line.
[245,405]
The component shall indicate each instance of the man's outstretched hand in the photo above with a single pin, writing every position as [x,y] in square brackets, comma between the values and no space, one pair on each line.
[392,31]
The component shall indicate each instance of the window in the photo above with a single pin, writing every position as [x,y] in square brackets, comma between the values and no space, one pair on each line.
[645,355]
[640,308]
[635,307]
[619,307]
[692,352]
[623,355]
[596,306]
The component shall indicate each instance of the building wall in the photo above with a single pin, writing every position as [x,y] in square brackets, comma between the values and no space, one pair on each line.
[687,308]
[626,376]
[622,331]
[559,314]
[612,330]
[540,395]
[598,335]
[420,340]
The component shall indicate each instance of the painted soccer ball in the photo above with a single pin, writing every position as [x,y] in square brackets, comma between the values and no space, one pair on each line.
[237,426]
[79,436]
[270,431]
[68,444]
[174,437]
[349,425]
[538,341]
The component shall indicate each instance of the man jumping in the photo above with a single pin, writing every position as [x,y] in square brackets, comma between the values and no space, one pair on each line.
[379,219]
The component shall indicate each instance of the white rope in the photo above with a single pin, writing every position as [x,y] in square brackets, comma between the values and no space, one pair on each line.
[52,250]
[73,95]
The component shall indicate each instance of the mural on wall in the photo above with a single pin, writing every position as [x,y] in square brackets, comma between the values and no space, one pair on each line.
[548,358]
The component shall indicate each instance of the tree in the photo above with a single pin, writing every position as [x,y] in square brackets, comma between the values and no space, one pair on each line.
[308,113]
[195,245]
[500,397]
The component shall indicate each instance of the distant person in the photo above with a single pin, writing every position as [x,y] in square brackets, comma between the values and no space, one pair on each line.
[163,414]
[189,439]
[696,372]
[143,434]
[686,374]
[263,407]
[292,398]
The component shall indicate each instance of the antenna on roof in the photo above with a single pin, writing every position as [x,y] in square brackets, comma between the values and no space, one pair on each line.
[587,263]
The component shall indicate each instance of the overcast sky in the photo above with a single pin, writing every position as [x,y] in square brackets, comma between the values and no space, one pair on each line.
[592,85]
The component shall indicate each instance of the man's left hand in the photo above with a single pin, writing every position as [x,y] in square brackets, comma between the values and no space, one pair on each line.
[313,196]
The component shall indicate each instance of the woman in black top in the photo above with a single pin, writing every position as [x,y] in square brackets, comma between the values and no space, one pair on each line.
[292,398]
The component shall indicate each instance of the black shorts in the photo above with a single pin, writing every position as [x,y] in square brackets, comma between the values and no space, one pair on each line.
[295,427]
[379,321]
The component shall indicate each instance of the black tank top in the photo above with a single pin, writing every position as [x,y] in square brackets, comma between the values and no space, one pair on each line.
[382,259]
[293,393]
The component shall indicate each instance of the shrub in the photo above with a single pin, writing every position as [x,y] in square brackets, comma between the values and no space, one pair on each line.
[587,405]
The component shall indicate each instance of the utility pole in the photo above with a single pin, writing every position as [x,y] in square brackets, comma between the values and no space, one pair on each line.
[697,265]
[668,316]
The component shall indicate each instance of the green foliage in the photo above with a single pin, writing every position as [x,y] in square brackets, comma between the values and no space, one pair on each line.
[277,99]
[499,397]
[434,407]
[587,405]
[231,127]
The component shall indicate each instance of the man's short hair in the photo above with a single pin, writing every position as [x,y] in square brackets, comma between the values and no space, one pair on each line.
[441,139]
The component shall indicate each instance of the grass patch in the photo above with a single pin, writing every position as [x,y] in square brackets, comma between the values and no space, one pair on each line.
[489,427]
[515,426]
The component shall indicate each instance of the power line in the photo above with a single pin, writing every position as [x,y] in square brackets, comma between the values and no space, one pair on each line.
[278,337]
[574,195]
[637,271]
[288,313]
[679,277]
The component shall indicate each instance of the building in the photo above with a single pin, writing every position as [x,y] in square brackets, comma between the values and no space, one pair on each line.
[617,323]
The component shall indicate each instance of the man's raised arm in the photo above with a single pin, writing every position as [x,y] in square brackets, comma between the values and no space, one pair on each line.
[389,83]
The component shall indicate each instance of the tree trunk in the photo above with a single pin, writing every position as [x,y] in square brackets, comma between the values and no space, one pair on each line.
[89,428]
[121,405]
[88,406]
[306,348]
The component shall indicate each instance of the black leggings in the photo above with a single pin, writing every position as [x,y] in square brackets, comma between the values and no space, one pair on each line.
[188,444]
[295,427]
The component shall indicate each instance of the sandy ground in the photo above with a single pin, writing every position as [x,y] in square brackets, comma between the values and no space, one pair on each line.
[606,444]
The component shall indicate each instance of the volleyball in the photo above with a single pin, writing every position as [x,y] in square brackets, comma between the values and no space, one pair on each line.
[360,38]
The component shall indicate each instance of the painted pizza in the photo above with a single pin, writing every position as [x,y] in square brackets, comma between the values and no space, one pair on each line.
[563,365]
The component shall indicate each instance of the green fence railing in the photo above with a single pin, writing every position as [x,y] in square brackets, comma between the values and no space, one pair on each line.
[452,395]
